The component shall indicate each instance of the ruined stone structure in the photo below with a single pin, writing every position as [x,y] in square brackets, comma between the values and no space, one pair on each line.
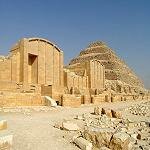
[119,78]
[34,68]
[32,63]
[115,68]
[94,72]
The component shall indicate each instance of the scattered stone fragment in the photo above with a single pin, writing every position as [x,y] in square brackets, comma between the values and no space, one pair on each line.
[107,111]
[58,126]
[147,124]
[120,141]
[104,148]
[3,124]
[70,126]
[80,117]
[51,101]
[135,135]
[97,111]
[83,143]
[6,142]
[99,136]
[116,114]
[142,109]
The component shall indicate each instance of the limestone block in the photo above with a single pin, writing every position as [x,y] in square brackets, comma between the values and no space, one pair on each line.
[70,126]
[104,148]
[83,143]
[3,124]
[50,101]
[99,136]
[97,111]
[116,114]
[71,100]
[86,99]
[6,142]
[120,141]
[98,99]
[128,97]
[107,111]
[117,98]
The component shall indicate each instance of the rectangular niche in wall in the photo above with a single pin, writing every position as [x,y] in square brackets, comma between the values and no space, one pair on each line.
[32,68]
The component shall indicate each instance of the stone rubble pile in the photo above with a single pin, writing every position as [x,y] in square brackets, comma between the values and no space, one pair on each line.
[107,131]
[142,109]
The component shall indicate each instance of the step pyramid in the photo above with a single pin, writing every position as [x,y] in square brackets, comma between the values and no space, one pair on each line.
[115,68]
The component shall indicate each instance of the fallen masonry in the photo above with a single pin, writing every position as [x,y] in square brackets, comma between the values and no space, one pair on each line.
[142,109]
[109,132]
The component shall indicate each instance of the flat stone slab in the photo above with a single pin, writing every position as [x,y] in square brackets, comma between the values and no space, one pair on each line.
[70,126]
[83,143]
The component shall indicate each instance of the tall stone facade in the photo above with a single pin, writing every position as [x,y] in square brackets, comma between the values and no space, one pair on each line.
[94,70]
[33,64]
[34,68]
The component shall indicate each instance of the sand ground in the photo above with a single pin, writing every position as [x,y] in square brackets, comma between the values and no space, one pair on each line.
[35,131]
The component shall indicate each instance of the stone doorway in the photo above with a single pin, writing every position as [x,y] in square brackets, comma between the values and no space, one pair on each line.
[32,69]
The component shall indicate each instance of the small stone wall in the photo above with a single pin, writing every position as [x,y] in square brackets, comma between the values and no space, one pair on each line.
[71,100]
[21,99]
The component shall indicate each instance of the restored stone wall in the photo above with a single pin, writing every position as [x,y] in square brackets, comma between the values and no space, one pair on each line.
[75,82]
[96,75]
[9,68]
[33,61]
[49,62]
[21,99]
[93,70]
[71,100]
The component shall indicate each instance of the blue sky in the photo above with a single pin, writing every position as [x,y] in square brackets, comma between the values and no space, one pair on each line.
[72,24]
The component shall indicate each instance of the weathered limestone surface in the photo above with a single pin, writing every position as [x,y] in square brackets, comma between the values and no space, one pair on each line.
[34,68]
[94,72]
[32,63]
[3,124]
[70,126]
[119,77]
[83,143]
[21,99]
[115,67]
[71,100]
[6,142]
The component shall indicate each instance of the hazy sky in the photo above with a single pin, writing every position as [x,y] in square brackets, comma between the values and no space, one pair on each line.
[72,24]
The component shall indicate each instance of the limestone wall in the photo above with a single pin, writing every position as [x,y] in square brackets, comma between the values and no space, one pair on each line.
[93,70]
[9,68]
[21,99]
[77,82]
[71,100]
[49,61]
[5,70]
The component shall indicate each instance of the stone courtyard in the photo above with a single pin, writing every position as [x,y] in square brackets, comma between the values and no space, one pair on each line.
[94,102]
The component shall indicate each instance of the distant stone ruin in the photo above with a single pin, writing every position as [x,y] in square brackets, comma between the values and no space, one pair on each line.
[34,69]
[119,78]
